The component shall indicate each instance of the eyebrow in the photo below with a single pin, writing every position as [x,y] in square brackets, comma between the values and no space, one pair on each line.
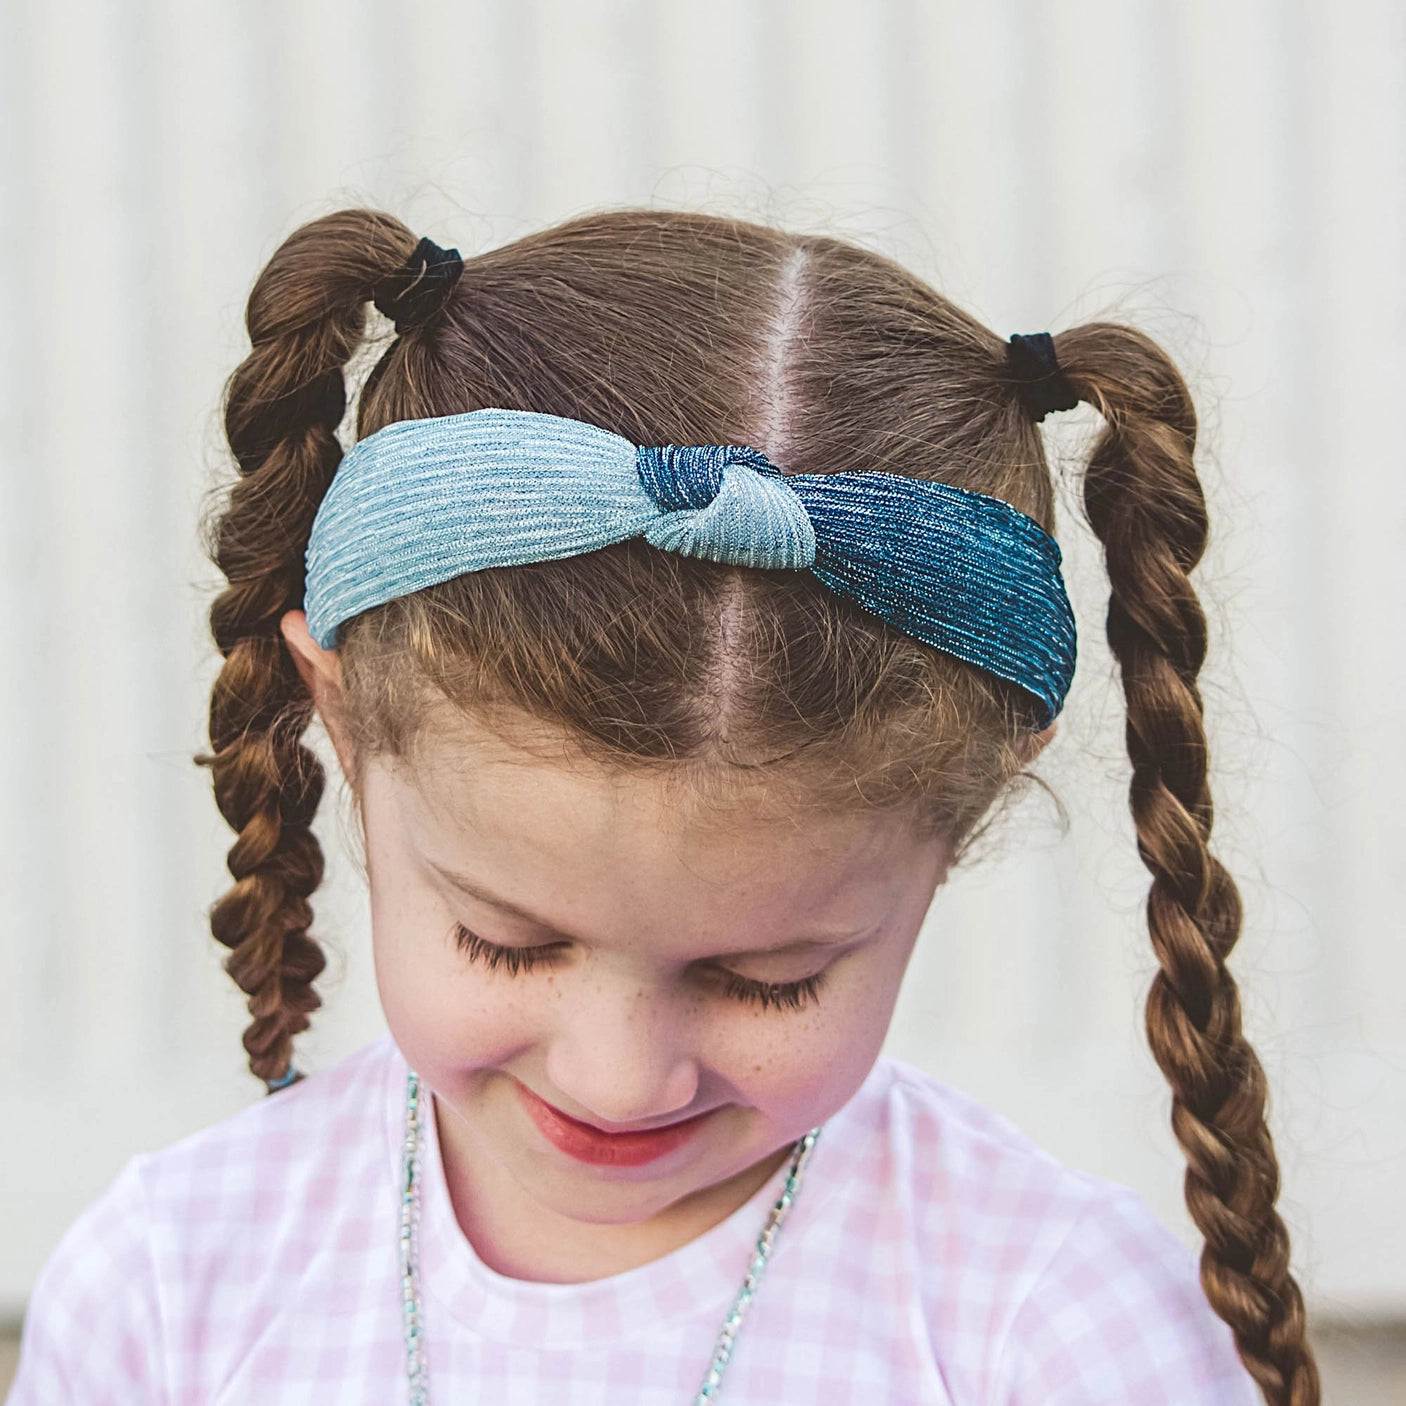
[467,886]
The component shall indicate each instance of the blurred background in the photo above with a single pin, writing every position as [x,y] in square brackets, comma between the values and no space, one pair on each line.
[1230,175]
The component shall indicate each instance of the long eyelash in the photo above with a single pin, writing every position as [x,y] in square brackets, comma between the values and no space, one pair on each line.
[782,995]
[512,960]
[769,995]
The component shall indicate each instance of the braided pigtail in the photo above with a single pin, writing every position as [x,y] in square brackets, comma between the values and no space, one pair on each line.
[306,317]
[1145,503]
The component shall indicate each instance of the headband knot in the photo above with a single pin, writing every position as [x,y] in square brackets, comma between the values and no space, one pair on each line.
[679,476]
[415,292]
[725,503]
[1039,382]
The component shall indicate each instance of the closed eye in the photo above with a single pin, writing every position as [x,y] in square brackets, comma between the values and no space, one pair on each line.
[509,959]
[779,995]
[769,995]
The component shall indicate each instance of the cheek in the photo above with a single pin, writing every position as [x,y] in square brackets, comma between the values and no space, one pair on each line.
[443,1012]
[798,1068]
[446,1023]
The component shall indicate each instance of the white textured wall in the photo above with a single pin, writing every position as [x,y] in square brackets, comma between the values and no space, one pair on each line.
[1229,173]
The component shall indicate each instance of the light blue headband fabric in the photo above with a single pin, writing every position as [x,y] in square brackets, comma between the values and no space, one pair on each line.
[422,501]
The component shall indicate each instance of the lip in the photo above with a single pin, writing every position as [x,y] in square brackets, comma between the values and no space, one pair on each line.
[591,1144]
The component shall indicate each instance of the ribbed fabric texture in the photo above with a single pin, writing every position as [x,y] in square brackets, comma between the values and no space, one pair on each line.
[422,501]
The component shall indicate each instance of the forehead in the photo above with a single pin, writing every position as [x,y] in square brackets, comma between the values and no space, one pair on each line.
[545,829]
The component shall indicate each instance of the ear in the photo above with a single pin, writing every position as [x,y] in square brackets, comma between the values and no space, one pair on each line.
[321,672]
[1038,741]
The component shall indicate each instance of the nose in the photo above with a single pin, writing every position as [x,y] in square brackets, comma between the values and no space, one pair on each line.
[623,1060]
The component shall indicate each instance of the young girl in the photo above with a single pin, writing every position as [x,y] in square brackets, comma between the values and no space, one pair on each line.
[684,606]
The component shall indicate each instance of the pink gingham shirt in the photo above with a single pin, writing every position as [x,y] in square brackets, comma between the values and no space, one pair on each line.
[934,1255]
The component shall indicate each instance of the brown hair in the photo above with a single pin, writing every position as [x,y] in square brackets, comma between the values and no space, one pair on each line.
[683,328]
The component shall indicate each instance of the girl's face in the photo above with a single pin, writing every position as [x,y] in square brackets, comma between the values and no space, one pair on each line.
[620,1000]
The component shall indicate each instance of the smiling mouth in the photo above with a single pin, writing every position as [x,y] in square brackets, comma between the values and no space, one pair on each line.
[587,1143]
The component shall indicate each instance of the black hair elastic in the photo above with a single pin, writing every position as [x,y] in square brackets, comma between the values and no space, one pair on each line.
[416,292]
[1042,386]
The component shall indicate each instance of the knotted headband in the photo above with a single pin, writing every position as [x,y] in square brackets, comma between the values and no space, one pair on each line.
[422,501]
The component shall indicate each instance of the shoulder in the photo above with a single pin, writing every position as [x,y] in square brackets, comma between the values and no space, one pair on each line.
[1040,1282]
[201,1228]
[92,1330]
[238,1209]
[963,1154]
[984,1207]
[329,1124]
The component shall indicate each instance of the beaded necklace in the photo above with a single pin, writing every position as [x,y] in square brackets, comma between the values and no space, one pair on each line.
[410,1257]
